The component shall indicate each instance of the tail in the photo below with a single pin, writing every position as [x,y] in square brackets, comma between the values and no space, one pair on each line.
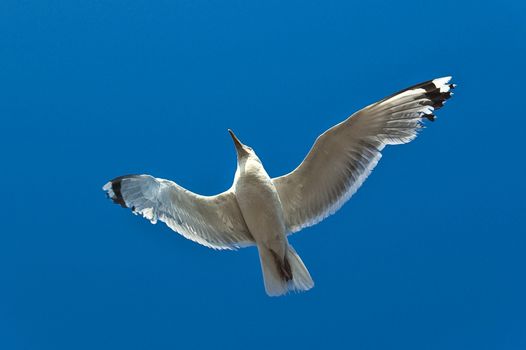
[282,277]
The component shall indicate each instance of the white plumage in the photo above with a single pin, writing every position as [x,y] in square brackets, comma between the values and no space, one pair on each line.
[261,211]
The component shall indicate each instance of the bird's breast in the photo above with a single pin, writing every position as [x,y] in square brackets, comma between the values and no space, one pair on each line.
[261,208]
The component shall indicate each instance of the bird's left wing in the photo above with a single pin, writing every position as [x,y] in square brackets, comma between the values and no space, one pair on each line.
[343,156]
[213,221]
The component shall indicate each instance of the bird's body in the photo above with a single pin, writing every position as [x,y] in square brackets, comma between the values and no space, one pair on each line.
[260,210]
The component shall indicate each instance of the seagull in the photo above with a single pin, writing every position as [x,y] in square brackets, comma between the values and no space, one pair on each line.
[262,211]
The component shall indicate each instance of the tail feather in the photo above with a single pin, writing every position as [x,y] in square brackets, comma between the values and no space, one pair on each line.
[282,277]
[300,275]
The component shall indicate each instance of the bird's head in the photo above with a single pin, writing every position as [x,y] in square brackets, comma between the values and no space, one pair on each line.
[243,151]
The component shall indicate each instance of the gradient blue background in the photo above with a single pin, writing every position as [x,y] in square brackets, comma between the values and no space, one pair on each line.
[430,253]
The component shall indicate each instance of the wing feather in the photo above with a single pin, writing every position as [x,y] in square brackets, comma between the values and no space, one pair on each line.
[343,156]
[213,221]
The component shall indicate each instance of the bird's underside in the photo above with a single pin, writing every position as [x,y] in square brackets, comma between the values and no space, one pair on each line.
[337,164]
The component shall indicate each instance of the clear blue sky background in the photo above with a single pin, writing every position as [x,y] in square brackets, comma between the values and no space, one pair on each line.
[430,253]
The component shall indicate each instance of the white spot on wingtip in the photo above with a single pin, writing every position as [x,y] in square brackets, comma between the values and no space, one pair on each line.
[444,88]
[428,110]
[108,189]
[441,81]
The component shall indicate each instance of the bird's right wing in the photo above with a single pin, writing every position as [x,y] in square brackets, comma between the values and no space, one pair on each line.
[215,222]
[343,156]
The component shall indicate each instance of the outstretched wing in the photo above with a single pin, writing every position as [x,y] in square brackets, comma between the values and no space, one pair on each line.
[215,221]
[343,156]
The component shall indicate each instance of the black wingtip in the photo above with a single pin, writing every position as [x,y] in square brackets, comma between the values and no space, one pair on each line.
[113,189]
[437,104]
[430,117]
[117,194]
[438,91]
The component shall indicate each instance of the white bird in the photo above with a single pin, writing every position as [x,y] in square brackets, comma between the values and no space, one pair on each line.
[260,210]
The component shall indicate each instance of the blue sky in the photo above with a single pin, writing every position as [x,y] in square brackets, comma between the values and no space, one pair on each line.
[429,254]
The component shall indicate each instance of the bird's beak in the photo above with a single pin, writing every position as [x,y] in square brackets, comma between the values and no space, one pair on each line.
[239,146]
